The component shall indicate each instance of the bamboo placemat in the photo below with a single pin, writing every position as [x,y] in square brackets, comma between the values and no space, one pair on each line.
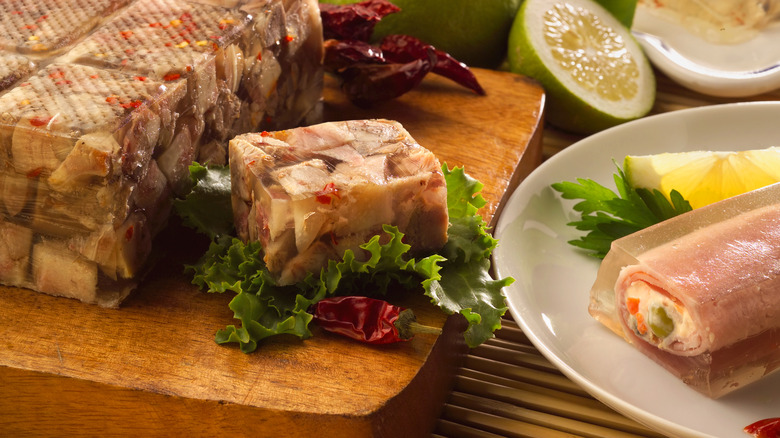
[506,388]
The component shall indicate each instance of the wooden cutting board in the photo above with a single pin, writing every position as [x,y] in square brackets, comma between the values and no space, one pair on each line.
[152,367]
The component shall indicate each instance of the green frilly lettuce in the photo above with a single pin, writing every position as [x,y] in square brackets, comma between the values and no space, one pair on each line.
[457,280]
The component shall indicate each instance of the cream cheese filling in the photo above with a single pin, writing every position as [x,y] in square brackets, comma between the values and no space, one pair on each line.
[659,319]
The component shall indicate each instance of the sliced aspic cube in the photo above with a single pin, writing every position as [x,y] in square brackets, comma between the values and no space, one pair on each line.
[309,194]
[700,293]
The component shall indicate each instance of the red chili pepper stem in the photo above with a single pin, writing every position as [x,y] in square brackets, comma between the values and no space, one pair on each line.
[408,327]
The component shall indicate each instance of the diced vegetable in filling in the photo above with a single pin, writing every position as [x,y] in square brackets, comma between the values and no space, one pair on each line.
[659,319]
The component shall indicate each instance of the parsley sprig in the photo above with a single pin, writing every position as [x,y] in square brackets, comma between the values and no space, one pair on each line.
[606,216]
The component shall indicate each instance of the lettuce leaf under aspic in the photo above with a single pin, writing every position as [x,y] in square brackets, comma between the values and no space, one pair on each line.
[457,280]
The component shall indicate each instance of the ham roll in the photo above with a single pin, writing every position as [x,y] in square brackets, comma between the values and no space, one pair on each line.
[700,293]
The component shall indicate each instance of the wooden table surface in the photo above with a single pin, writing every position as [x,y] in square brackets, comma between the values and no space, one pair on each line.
[506,388]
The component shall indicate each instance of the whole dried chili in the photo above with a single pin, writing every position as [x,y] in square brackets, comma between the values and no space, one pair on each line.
[368,320]
[366,84]
[768,428]
[355,21]
[404,48]
[370,73]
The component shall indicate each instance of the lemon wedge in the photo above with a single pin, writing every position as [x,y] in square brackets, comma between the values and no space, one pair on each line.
[704,177]
[594,73]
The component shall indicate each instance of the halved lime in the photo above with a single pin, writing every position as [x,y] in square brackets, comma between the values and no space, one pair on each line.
[594,73]
[704,177]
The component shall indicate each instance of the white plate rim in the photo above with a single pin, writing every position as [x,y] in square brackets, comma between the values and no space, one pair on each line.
[741,111]
[723,70]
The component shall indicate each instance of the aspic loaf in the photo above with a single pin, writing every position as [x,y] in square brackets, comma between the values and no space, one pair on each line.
[97,134]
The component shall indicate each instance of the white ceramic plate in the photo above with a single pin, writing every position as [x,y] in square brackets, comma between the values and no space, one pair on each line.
[549,298]
[726,70]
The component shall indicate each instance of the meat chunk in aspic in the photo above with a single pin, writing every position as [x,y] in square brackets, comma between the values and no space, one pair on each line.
[311,193]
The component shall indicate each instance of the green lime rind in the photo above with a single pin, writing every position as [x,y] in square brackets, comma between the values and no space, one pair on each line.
[623,10]
[565,108]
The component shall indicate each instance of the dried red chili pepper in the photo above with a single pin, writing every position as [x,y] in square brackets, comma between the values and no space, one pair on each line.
[367,84]
[355,21]
[370,74]
[368,320]
[344,54]
[768,428]
[404,48]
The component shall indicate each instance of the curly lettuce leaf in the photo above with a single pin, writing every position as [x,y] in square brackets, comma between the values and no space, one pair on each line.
[267,309]
[207,208]
[457,280]
[466,285]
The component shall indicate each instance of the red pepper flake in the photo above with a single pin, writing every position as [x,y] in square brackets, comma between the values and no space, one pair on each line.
[141,78]
[126,34]
[333,239]
[368,320]
[168,44]
[93,76]
[24,84]
[133,104]
[225,23]
[112,98]
[188,68]
[30,26]
[41,18]
[288,38]
[34,173]
[259,56]
[265,134]
[63,82]
[185,16]
[767,428]
[57,74]
[16,12]
[326,195]
[40,121]
[171,76]
[155,24]
[129,51]
[129,233]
